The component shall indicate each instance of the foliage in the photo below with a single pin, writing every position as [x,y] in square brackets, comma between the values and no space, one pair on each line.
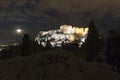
[92,42]
[26,45]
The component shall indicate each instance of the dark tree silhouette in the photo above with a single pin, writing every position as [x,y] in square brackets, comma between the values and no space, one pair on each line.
[113,50]
[26,45]
[119,29]
[101,42]
[92,42]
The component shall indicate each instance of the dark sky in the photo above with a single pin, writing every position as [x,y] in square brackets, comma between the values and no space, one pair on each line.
[35,15]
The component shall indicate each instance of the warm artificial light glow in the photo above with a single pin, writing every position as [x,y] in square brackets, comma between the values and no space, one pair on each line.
[86,29]
[78,31]
[71,38]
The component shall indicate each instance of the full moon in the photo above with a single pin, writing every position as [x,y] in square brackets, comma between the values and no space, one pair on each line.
[18,30]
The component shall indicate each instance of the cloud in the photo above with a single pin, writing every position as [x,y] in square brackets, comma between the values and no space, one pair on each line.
[77,9]
[98,8]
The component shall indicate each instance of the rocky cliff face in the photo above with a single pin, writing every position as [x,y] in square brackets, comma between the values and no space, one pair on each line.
[54,65]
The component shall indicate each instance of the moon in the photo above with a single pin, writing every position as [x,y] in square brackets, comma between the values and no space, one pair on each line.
[19,30]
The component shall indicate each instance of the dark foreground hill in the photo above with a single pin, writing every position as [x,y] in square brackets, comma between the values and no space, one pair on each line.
[54,65]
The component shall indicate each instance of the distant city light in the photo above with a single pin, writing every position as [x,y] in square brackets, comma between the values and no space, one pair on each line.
[0,49]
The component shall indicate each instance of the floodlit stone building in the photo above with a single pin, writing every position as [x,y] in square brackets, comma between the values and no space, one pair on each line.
[66,34]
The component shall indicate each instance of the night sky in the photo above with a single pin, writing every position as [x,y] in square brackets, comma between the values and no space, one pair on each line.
[35,15]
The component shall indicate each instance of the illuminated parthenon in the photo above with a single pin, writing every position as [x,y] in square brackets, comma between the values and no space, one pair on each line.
[66,34]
